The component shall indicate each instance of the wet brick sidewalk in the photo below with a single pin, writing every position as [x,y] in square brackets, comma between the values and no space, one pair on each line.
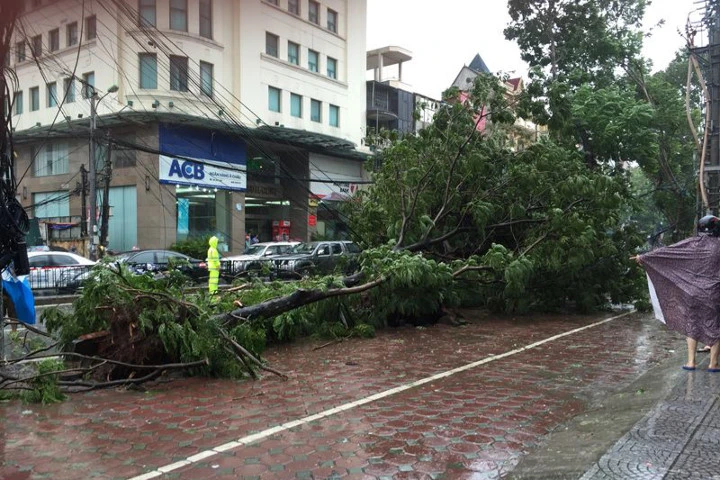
[678,439]
[473,424]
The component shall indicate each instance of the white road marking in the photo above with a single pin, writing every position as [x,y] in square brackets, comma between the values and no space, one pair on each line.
[248,439]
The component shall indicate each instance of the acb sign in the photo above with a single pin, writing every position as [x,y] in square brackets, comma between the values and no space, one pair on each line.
[187,170]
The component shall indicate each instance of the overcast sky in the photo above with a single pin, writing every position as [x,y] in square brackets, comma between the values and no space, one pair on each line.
[444,36]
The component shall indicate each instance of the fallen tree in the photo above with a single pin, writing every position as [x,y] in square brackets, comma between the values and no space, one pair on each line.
[455,217]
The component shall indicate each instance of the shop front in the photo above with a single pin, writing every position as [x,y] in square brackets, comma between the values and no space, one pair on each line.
[207,169]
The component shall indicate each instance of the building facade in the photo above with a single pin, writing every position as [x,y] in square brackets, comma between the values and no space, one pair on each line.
[212,116]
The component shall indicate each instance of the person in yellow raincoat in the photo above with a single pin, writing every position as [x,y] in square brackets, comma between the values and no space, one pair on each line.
[213,261]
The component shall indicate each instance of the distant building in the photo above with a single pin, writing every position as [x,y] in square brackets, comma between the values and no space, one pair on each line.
[391,103]
[524,132]
[227,116]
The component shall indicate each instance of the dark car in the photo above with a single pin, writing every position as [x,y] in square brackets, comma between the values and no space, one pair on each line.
[156,261]
[317,257]
[144,261]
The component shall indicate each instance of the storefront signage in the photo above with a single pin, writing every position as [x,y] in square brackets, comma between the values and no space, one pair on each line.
[312,220]
[202,173]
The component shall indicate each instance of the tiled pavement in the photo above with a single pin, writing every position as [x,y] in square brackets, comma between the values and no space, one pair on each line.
[473,424]
[677,439]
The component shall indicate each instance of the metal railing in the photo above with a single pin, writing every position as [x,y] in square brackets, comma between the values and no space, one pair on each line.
[58,279]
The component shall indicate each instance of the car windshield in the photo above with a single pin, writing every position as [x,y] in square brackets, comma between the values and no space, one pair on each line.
[122,257]
[304,248]
[255,250]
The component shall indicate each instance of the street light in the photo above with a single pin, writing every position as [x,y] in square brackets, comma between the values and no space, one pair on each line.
[92,171]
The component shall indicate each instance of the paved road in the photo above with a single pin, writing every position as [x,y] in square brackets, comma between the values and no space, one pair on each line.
[441,402]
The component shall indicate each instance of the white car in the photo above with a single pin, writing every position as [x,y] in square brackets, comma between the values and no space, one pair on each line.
[254,256]
[49,270]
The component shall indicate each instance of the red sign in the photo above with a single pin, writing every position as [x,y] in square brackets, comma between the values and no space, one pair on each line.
[312,220]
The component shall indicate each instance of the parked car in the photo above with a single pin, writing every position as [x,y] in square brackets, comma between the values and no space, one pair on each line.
[52,270]
[143,261]
[156,261]
[254,257]
[317,257]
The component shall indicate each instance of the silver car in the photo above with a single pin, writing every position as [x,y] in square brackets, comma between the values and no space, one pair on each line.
[255,255]
[51,270]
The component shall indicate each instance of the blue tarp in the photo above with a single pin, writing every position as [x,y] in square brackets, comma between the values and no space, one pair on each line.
[19,292]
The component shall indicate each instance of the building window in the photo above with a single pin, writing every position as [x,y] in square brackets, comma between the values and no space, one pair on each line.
[294,53]
[314,12]
[123,156]
[316,110]
[20,52]
[334,116]
[88,84]
[51,204]
[178,73]
[313,57]
[69,86]
[51,159]
[54,40]
[90,27]
[148,70]
[332,22]
[147,13]
[36,46]
[34,99]
[72,33]
[271,44]
[331,67]
[274,99]
[206,78]
[274,2]
[52,94]
[294,6]
[178,15]
[18,102]
[206,18]
[296,105]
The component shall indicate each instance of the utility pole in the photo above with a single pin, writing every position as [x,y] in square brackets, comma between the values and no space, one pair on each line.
[92,174]
[83,197]
[105,215]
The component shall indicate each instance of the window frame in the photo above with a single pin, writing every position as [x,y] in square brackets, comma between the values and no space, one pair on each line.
[315,118]
[53,158]
[88,86]
[313,5]
[331,61]
[34,99]
[181,75]
[143,58]
[204,66]
[294,7]
[54,40]
[52,98]
[69,88]
[316,54]
[334,108]
[144,7]
[293,46]
[271,91]
[332,26]
[20,55]
[18,107]
[36,46]
[272,37]
[71,34]
[208,33]
[90,28]
[294,97]
[175,8]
